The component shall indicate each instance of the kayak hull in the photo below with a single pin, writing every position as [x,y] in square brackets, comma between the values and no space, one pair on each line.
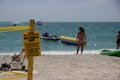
[110,53]
[68,40]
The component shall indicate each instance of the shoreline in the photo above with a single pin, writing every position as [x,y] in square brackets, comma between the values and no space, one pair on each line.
[72,67]
[86,52]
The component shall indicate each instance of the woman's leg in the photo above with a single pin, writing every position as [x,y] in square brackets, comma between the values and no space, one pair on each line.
[118,46]
[78,46]
[82,48]
[77,50]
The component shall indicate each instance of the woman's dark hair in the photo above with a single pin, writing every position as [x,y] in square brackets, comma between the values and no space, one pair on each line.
[80,28]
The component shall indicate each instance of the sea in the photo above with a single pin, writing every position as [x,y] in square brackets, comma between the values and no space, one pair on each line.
[100,36]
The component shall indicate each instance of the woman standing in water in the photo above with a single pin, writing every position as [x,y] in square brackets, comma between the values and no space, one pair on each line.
[81,39]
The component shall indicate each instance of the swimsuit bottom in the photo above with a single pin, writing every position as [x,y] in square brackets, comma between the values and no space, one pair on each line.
[81,41]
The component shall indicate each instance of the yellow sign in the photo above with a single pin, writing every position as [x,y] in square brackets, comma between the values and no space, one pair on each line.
[32,43]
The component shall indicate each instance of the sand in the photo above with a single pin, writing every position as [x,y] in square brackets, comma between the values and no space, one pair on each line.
[70,67]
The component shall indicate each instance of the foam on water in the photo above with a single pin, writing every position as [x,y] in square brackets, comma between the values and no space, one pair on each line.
[69,52]
[53,52]
[85,52]
[61,52]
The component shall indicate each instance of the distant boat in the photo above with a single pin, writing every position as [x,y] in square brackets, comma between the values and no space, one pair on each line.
[39,23]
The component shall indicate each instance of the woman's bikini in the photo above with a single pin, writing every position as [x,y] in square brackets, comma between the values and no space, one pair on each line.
[81,40]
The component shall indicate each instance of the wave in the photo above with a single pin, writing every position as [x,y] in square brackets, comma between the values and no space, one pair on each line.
[60,52]
[69,52]
[85,52]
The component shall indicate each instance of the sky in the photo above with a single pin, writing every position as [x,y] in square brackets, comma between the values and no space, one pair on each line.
[60,10]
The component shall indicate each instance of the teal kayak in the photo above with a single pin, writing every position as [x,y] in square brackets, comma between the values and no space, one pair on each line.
[111,53]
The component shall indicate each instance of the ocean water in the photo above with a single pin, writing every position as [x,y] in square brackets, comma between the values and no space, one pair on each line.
[100,35]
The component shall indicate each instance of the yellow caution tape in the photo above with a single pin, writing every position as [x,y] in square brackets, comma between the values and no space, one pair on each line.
[13,77]
[13,28]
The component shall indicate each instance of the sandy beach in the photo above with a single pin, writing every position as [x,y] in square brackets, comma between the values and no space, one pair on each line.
[70,67]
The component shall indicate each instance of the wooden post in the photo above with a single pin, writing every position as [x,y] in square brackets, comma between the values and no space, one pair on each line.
[30,67]
[30,58]
[32,25]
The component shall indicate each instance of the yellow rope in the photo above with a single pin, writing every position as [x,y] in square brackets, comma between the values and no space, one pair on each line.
[13,28]
[13,77]
[14,72]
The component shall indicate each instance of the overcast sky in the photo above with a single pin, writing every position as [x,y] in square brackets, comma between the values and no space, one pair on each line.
[60,10]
